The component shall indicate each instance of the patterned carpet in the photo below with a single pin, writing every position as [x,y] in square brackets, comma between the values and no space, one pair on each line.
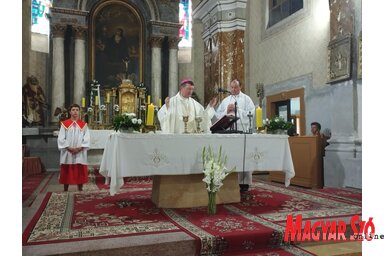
[254,225]
[33,185]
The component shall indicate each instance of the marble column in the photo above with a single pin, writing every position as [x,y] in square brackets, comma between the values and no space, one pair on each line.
[58,83]
[173,66]
[79,68]
[156,43]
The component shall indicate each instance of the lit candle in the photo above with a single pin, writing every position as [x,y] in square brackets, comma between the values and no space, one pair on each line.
[108,97]
[96,100]
[83,102]
[259,117]
[149,99]
[150,114]
[159,102]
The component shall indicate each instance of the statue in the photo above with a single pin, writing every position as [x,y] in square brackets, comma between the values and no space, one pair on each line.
[34,103]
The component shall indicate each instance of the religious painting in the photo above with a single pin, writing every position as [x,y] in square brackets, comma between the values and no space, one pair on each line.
[117,45]
[339,59]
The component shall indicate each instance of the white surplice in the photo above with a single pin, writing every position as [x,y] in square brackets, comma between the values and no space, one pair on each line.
[171,119]
[244,106]
[73,136]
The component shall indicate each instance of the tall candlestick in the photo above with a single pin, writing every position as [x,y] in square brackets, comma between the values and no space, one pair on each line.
[149,99]
[108,97]
[96,100]
[150,114]
[83,102]
[259,117]
[159,102]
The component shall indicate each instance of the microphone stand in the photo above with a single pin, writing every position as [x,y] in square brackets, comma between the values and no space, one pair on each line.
[235,116]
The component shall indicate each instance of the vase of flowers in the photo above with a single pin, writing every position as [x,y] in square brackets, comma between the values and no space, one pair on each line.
[277,125]
[215,171]
[126,122]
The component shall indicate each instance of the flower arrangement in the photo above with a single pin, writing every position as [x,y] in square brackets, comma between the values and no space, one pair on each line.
[126,121]
[215,171]
[276,123]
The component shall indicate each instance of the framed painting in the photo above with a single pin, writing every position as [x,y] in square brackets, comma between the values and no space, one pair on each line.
[339,59]
[117,42]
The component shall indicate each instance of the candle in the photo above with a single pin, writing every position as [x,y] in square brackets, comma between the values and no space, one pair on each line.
[96,100]
[150,114]
[159,102]
[259,117]
[83,102]
[108,97]
[149,99]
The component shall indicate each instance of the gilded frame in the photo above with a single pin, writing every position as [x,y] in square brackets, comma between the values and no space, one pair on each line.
[106,60]
[339,59]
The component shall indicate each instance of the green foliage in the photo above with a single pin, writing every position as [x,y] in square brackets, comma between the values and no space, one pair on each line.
[277,123]
[125,121]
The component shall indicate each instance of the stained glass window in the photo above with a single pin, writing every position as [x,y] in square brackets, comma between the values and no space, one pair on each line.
[40,22]
[185,32]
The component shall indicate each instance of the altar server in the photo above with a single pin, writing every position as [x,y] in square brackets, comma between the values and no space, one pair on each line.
[73,142]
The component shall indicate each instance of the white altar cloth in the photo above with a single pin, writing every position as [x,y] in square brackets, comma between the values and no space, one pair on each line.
[128,155]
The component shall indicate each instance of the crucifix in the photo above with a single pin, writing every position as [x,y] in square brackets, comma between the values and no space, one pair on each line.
[126,62]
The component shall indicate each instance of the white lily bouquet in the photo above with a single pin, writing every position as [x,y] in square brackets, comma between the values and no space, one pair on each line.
[215,171]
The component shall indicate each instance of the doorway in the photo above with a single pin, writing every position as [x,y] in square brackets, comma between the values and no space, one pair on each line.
[290,106]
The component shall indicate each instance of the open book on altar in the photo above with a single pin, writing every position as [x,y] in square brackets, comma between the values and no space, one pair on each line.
[222,125]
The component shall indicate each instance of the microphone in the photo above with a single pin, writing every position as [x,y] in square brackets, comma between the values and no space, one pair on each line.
[223,90]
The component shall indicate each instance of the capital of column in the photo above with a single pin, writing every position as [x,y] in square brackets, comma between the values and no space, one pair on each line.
[174,42]
[58,30]
[79,32]
[156,41]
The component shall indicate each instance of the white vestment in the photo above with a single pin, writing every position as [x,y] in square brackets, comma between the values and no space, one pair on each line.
[244,106]
[73,137]
[171,119]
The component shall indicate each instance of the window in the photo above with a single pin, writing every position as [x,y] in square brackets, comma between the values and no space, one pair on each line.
[185,32]
[281,9]
[40,22]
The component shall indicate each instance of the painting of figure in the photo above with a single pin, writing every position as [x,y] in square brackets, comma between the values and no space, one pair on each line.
[118,45]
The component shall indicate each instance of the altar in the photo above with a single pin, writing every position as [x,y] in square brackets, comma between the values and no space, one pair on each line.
[175,159]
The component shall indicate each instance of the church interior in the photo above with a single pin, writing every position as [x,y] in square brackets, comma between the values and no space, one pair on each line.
[300,60]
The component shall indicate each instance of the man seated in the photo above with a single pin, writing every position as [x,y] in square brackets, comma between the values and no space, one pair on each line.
[182,107]
[316,131]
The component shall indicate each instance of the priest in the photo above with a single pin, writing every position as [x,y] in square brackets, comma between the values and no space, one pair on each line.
[183,108]
[244,105]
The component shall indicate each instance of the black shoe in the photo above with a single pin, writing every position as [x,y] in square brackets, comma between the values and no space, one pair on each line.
[243,187]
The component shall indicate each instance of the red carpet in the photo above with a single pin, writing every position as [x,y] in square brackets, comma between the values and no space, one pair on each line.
[259,219]
[32,185]
[129,182]
[252,227]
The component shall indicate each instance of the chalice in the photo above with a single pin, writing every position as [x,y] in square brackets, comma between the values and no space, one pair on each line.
[185,120]
[198,120]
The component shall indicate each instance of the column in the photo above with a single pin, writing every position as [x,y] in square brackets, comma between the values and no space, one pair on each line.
[173,67]
[156,67]
[58,83]
[79,68]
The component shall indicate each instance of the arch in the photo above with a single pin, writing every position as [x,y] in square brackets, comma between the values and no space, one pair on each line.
[148,8]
